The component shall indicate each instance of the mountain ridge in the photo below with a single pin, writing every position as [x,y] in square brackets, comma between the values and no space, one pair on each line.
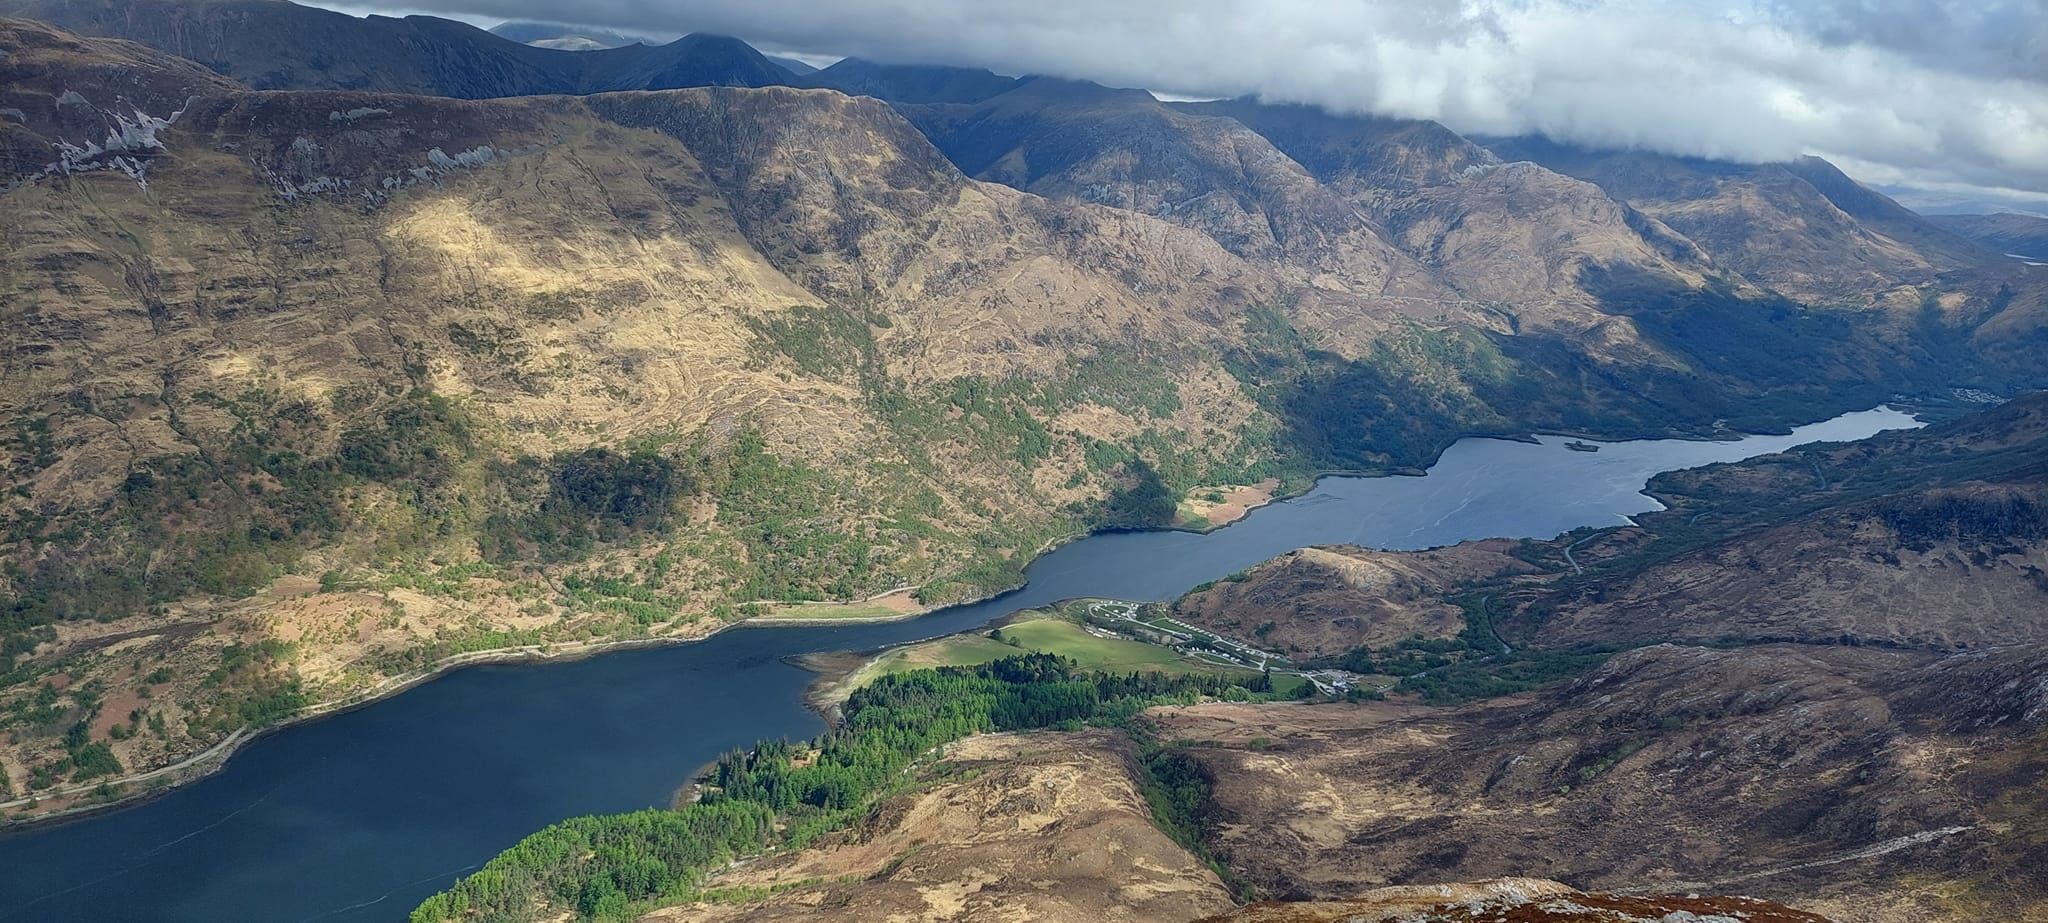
[1889,246]
[277,45]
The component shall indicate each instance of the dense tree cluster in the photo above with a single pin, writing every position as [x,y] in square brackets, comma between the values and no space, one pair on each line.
[786,794]
[1143,501]
[627,490]
[596,865]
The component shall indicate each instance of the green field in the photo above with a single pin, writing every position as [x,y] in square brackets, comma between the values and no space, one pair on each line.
[1045,634]
[1092,652]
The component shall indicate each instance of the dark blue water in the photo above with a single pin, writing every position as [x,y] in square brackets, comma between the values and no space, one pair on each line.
[360,816]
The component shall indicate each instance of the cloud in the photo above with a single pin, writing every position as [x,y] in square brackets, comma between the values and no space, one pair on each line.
[1937,92]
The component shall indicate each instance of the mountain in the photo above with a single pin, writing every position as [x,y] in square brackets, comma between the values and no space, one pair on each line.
[1463,239]
[1082,142]
[1366,152]
[378,343]
[273,44]
[1388,221]
[65,131]
[690,61]
[1504,233]
[1801,228]
[317,327]
[2023,235]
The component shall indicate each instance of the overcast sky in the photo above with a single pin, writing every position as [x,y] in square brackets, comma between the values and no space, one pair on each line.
[1949,96]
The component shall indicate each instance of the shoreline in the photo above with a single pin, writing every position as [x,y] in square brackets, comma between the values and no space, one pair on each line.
[213,759]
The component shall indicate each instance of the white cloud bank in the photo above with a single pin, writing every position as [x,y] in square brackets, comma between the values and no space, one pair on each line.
[1940,93]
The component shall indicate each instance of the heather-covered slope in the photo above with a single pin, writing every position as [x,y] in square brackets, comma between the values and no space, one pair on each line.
[1873,785]
[319,388]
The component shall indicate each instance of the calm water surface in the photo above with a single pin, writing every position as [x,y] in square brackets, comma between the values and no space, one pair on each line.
[361,816]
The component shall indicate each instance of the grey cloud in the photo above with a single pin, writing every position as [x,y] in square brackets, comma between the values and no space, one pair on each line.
[1938,92]
[1999,38]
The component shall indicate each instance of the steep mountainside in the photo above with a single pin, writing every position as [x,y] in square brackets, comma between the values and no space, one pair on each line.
[43,132]
[1402,210]
[1504,233]
[274,44]
[2025,235]
[470,375]
[1368,152]
[1083,142]
[1801,228]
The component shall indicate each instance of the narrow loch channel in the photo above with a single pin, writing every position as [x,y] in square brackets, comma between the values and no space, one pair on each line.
[361,816]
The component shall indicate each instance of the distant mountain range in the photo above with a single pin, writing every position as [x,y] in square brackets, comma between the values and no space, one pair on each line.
[275,45]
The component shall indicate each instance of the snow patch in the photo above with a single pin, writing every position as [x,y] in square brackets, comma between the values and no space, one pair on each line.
[474,157]
[129,146]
